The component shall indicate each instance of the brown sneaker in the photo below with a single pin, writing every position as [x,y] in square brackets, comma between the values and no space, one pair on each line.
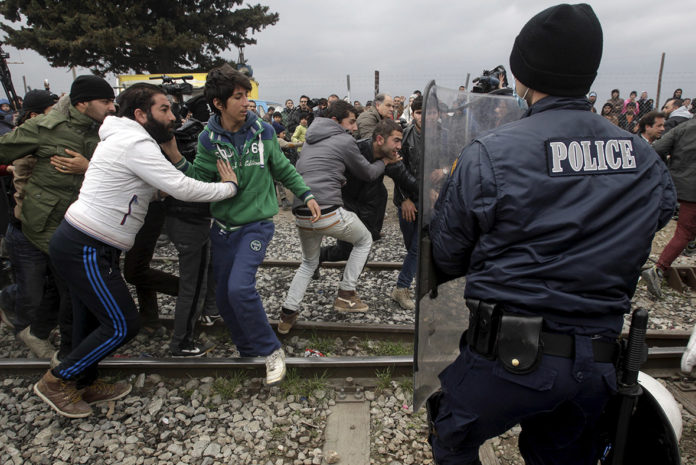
[100,391]
[348,301]
[403,298]
[62,396]
[287,320]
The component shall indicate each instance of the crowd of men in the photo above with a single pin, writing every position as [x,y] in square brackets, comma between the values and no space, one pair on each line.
[87,182]
[95,176]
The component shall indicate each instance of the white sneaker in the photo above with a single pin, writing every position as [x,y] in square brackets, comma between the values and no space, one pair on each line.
[275,367]
[403,298]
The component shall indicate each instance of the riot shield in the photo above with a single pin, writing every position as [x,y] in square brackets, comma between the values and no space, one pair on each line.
[451,120]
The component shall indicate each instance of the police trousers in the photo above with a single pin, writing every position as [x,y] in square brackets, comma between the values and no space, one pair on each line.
[558,407]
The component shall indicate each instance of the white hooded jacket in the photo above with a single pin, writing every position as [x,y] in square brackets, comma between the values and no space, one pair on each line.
[124,175]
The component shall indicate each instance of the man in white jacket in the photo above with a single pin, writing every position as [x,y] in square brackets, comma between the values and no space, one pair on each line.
[126,172]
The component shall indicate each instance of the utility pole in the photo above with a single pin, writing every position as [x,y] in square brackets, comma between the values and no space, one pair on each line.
[376,83]
[659,81]
[350,100]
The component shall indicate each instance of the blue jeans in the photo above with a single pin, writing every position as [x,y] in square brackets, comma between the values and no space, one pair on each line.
[236,257]
[37,300]
[408,270]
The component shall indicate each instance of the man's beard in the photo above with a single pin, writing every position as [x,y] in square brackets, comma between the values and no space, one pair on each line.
[160,132]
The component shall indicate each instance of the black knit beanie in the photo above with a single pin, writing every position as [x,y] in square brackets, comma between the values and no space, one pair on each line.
[558,51]
[90,87]
[38,100]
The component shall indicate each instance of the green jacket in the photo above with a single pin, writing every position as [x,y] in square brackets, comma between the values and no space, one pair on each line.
[259,162]
[49,193]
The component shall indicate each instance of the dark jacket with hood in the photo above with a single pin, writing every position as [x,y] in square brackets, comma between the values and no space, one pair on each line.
[405,173]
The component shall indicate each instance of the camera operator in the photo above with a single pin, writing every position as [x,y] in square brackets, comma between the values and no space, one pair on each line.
[489,81]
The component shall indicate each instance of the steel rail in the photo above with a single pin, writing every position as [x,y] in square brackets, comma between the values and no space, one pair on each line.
[331,367]
[274,263]
[660,359]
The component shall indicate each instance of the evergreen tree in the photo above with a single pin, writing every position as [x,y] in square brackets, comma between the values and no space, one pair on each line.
[142,36]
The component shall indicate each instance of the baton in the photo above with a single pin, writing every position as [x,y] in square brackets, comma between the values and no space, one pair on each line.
[629,390]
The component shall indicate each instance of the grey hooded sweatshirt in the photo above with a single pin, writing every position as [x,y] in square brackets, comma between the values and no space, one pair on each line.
[328,151]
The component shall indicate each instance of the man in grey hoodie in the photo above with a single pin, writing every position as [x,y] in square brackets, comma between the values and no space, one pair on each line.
[329,150]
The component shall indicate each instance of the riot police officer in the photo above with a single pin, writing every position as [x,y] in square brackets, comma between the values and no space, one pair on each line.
[550,219]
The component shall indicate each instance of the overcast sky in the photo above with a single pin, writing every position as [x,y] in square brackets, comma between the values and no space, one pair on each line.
[316,43]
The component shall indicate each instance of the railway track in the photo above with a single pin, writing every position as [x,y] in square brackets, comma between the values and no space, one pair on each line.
[665,350]
[274,263]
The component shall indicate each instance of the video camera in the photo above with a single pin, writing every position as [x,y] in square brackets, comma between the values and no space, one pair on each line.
[173,88]
[490,80]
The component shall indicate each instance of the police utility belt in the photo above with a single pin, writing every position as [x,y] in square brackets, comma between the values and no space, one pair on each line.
[519,341]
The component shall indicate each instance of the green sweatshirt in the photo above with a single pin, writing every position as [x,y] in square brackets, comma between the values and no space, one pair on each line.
[256,157]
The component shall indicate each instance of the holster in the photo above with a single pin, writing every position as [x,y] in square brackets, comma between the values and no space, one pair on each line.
[484,318]
[513,339]
[519,343]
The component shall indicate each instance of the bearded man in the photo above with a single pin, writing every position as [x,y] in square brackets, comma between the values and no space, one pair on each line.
[125,173]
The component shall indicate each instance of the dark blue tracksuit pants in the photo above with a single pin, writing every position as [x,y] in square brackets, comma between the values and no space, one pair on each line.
[236,257]
[104,314]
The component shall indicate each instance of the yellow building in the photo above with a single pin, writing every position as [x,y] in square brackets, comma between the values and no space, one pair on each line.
[198,81]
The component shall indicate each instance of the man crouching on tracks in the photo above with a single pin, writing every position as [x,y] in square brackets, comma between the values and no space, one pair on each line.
[243,226]
[550,219]
[125,173]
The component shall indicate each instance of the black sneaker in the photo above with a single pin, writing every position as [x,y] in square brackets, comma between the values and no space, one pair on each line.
[209,320]
[317,274]
[193,349]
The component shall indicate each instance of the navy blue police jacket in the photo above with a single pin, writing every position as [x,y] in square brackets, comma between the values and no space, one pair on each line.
[554,215]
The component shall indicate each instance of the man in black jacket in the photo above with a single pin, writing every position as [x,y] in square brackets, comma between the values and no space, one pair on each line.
[406,201]
[188,227]
[367,199]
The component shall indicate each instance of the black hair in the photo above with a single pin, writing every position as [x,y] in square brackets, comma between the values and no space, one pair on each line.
[221,84]
[615,90]
[417,103]
[649,120]
[340,110]
[138,96]
[277,114]
[384,128]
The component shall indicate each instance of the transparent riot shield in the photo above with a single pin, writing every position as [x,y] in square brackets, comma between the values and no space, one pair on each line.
[451,120]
